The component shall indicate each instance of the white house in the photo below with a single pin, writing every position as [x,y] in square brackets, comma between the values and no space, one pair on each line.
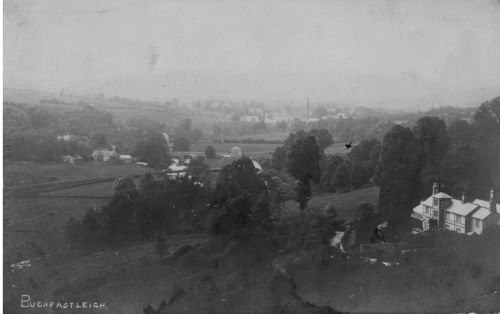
[126,159]
[66,137]
[236,152]
[441,211]
[72,159]
[104,154]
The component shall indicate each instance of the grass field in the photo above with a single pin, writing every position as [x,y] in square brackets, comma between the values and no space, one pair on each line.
[25,173]
[336,149]
[225,148]
[345,203]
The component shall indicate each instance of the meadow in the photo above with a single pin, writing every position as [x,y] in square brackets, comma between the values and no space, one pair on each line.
[247,148]
[345,203]
[27,172]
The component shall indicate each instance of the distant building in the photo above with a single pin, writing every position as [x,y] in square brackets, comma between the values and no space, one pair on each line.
[72,159]
[236,152]
[126,159]
[440,211]
[104,154]
[66,137]
[250,119]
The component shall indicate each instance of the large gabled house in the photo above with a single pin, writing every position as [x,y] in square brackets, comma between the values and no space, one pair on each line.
[440,211]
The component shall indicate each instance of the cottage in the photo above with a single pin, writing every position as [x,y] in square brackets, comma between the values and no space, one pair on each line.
[104,154]
[126,159]
[441,211]
[236,152]
[72,159]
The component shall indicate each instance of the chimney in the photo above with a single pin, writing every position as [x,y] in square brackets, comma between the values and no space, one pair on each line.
[492,201]
[463,197]
[435,188]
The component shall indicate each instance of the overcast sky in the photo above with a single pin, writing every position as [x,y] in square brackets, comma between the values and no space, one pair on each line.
[366,51]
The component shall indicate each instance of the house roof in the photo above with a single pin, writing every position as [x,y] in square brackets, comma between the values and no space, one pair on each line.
[481,213]
[428,202]
[485,204]
[419,209]
[459,208]
[441,195]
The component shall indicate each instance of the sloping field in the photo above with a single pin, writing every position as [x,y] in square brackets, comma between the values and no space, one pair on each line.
[345,203]
[17,173]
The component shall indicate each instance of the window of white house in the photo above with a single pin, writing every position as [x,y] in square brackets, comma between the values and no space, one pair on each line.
[426,209]
[478,223]
[435,202]
[435,213]
[459,219]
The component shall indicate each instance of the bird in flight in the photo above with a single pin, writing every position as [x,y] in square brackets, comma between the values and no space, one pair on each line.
[348,145]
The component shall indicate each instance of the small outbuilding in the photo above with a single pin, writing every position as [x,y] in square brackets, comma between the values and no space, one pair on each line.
[126,159]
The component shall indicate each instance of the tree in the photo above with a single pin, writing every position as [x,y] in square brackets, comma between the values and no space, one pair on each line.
[238,178]
[153,150]
[323,138]
[486,126]
[99,140]
[366,150]
[365,212]
[232,219]
[282,125]
[210,152]
[341,177]
[197,168]
[461,133]
[181,144]
[298,125]
[279,158]
[328,166]
[398,177]
[196,135]
[433,141]
[303,164]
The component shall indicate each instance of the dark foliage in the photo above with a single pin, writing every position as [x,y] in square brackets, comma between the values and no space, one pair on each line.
[156,206]
[210,152]
[398,176]
[153,150]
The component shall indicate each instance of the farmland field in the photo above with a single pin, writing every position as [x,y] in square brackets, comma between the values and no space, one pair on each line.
[345,203]
[247,148]
[25,173]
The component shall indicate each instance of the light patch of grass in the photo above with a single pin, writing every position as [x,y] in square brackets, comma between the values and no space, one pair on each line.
[345,203]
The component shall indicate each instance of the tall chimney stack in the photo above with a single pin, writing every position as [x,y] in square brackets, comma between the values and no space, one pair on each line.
[492,201]
[463,197]
[435,188]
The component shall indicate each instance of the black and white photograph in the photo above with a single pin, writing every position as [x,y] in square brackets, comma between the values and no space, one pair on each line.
[251,156]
